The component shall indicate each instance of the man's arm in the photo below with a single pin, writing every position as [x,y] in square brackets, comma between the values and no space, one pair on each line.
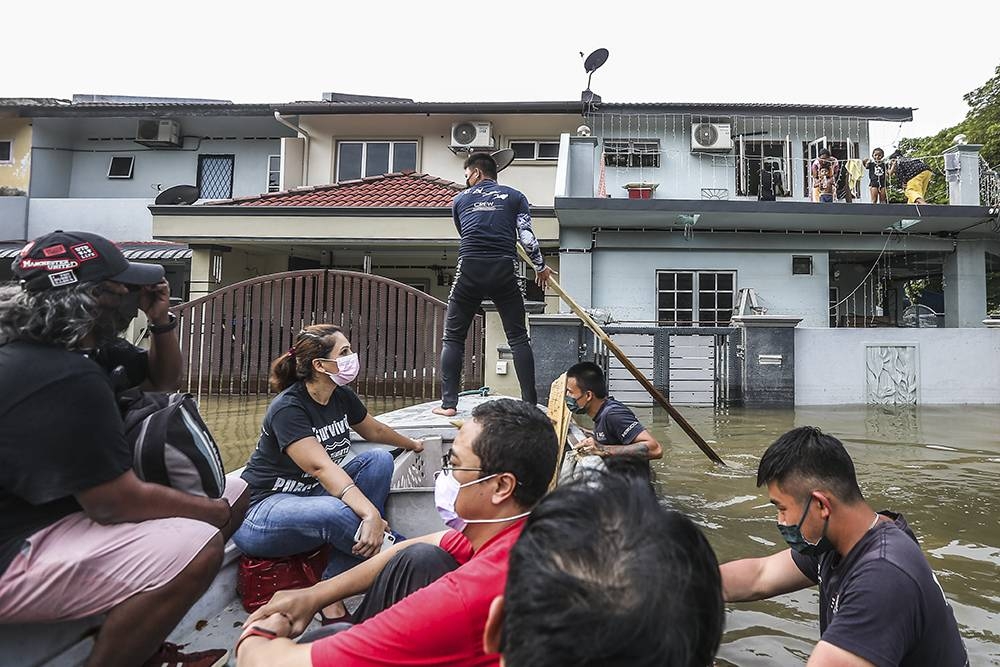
[644,446]
[164,349]
[760,578]
[454,215]
[280,652]
[526,235]
[129,499]
[300,605]
[828,655]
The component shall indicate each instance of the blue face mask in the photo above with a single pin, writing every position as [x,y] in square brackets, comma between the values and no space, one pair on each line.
[793,536]
[574,406]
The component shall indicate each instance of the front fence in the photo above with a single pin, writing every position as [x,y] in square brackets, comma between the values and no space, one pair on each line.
[228,338]
[689,365]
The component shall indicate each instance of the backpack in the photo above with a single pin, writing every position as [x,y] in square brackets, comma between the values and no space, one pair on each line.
[171,445]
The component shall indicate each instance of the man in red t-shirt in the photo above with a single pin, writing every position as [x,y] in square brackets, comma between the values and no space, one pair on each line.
[645,594]
[500,465]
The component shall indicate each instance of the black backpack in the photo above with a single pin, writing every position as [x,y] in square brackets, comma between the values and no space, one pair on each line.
[171,445]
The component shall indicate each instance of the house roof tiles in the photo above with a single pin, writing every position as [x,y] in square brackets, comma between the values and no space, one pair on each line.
[396,190]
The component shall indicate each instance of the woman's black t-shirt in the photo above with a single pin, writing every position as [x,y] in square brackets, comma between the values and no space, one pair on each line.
[294,415]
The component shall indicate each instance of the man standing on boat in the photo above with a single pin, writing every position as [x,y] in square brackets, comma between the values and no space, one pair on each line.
[617,431]
[491,219]
[879,601]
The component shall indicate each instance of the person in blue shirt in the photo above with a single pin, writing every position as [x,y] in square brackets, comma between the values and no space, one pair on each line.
[491,219]
[617,431]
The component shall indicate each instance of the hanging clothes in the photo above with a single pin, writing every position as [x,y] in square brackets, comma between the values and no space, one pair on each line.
[855,170]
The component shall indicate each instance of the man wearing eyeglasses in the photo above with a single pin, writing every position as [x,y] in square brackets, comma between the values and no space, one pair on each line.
[427,598]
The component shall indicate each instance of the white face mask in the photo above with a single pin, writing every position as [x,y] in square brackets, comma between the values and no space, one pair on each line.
[348,368]
[446,489]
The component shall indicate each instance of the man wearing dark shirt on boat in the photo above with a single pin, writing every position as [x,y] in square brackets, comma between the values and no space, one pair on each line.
[617,431]
[491,219]
[80,533]
[879,601]
[427,598]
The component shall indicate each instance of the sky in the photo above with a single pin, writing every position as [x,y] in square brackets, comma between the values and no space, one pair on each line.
[848,52]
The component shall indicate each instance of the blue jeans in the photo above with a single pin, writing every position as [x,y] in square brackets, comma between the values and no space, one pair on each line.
[284,524]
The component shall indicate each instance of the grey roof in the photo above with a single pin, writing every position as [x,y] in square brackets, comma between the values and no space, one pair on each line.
[384,106]
[51,107]
[342,103]
[350,97]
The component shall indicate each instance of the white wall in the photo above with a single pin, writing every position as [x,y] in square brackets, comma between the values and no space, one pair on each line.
[116,219]
[624,281]
[433,132]
[953,365]
[87,146]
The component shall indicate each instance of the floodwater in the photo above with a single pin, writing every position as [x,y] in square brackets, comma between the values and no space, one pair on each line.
[938,465]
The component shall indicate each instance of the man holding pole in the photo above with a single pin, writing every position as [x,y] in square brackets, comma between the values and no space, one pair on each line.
[617,431]
[491,219]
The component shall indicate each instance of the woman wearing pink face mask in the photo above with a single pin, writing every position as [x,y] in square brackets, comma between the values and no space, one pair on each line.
[307,488]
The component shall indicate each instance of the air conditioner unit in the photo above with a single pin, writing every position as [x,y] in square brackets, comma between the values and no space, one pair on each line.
[158,133]
[470,134]
[711,137]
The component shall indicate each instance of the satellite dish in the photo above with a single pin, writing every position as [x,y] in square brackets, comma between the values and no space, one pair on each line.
[594,62]
[503,158]
[177,195]
[591,64]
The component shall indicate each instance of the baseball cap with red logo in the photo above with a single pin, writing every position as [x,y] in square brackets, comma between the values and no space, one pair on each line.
[63,258]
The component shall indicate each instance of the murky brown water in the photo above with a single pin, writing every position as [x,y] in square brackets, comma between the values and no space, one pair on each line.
[939,466]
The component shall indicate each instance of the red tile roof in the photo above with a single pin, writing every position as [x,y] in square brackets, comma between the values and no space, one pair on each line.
[406,189]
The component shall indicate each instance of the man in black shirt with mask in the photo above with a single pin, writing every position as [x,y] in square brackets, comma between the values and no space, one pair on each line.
[80,533]
[879,601]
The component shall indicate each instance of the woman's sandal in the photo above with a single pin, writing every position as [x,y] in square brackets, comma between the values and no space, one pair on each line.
[326,620]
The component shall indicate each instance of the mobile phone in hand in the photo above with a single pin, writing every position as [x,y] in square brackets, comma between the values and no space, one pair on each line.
[388,539]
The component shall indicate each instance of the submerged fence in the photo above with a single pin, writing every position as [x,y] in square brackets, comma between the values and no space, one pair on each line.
[228,338]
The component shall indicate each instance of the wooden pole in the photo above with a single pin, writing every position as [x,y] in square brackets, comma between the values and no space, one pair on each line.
[627,363]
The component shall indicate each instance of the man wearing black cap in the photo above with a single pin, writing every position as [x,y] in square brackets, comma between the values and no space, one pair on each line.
[62,258]
[80,533]
[491,219]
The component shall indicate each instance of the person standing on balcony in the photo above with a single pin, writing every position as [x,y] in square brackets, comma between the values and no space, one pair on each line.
[824,161]
[491,219]
[826,184]
[878,177]
[912,174]
[770,183]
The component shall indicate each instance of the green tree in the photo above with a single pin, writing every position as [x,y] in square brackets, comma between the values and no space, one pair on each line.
[980,126]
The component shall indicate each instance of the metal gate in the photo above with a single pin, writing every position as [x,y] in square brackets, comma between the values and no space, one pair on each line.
[689,365]
[228,338]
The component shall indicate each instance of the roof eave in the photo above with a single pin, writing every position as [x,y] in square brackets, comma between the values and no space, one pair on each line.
[322,108]
[324,211]
[145,111]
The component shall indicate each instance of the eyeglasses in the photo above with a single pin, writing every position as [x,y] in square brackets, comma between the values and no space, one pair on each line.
[447,467]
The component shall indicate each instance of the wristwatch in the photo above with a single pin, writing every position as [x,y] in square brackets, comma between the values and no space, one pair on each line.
[171,324]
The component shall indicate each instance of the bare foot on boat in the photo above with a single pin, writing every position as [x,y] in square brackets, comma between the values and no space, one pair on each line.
[445,412]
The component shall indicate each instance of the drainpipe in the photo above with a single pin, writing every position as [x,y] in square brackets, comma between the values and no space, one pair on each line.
[305,150]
